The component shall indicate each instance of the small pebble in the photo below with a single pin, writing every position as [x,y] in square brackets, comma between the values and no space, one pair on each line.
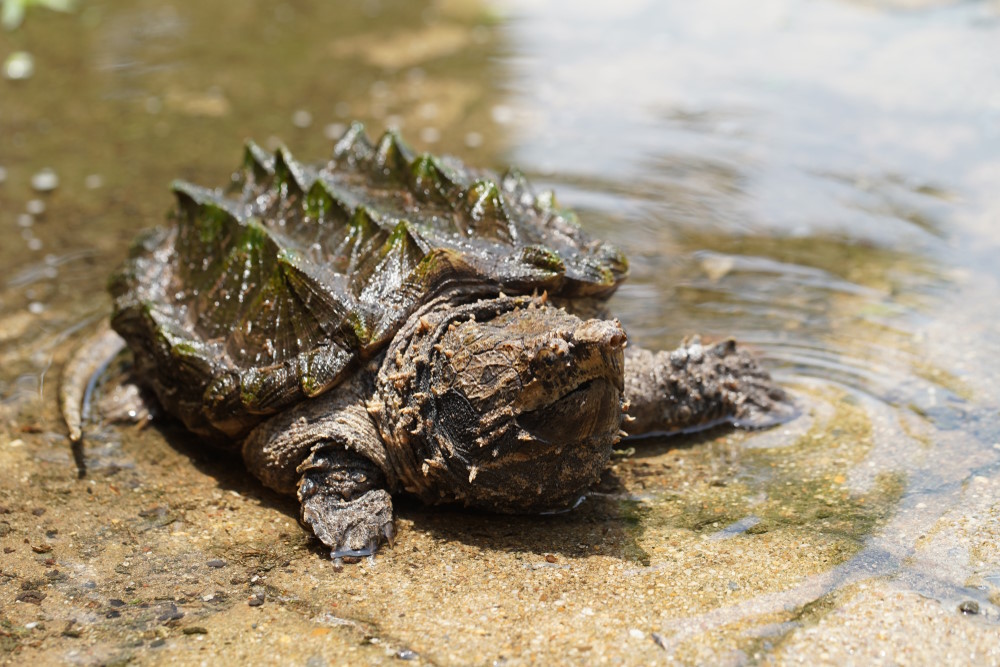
[25,220]
[970,607]
[502,115]
[157,643]
[34,244]
[171,614]
[430,135]
[195,630]
[115,602]
[113,614]
[334,131]
[427,110]
[473,140]
[257,600]
[416,75]
[406,654]
[19,65]
[35,207]
[32,597]
[216,563]
[45,180]
[36,308]
[302,119]
[93,181]
[549,558]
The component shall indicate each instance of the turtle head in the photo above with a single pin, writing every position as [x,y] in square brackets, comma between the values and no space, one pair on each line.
[516,404]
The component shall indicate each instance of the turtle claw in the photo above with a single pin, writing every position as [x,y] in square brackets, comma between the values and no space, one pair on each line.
[344,503]
[350,528]
[389,531]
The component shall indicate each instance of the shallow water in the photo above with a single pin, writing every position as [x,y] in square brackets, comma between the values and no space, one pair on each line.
[816,179]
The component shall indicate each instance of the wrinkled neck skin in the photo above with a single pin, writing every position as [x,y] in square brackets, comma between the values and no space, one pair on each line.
[506,403]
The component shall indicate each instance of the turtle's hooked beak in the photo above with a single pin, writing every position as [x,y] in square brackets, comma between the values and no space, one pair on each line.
[576,390]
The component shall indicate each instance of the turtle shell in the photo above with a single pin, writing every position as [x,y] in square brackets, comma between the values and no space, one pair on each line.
[272,291]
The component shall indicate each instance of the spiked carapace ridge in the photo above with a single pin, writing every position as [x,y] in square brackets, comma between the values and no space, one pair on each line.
[270,292]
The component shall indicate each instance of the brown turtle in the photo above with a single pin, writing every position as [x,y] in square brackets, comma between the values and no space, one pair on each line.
[390,322]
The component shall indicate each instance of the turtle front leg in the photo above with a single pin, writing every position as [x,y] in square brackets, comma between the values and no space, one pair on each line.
[328,453]
[696,386]
[344,501]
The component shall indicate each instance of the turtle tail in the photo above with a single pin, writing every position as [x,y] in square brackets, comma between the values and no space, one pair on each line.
[80,375]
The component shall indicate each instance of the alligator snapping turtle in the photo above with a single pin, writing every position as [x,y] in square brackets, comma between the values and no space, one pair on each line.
[391,322]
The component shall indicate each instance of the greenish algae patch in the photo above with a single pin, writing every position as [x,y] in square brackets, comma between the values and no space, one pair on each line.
[633,514]
[759,635]
[10,636]
[211,221]
[802,488]
[942,378]
[717,513]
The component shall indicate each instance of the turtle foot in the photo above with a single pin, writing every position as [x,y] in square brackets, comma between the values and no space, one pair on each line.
[344,505]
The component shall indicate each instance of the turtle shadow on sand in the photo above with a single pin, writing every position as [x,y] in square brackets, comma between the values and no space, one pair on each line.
[602,524]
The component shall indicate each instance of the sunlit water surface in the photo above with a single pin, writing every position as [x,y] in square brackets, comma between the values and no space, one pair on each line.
[820,180]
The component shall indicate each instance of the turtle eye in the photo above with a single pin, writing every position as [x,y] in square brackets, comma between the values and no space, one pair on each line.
[456,417]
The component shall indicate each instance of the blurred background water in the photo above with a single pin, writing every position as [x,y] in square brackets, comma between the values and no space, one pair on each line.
[819,179]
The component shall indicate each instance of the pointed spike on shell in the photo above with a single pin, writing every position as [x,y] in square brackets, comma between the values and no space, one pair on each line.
[318,370]
[364,220]
[354,145]
[342,196]
[319,202]
[516,186]
[393,156]
[257,161]
[202,202]
[290,173]
[546,201]
[324,201]
[429,178]
[488,211]
[402,236]
[484,201]
[188,195]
